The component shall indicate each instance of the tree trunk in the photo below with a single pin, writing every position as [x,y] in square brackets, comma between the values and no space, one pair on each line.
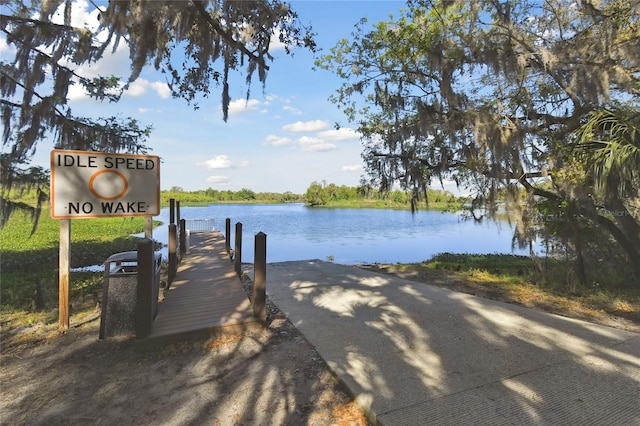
[625,220]
[630,249]
[579,263]
[616,208]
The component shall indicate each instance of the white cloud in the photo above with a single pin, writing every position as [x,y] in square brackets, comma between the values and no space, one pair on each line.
[4,46]
[352,168]
[76,92]
[341,134]
[223,180]
[80,16]
[275,43]
[162,89]
[137,88]
[242,105]
[140,87]
[306,126]
[315,144]
[271,98]
[217,162]
[277,141]
[116,63]
[142,110]
[292,110]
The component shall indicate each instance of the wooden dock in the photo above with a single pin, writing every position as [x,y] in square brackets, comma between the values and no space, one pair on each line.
[206,298]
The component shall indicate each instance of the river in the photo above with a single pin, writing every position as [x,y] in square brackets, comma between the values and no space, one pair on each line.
[351,236]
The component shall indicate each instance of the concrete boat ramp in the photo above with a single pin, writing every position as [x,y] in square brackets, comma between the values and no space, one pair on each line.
[414,354]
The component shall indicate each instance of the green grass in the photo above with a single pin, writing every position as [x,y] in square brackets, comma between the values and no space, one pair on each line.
[495,263]
[28,260]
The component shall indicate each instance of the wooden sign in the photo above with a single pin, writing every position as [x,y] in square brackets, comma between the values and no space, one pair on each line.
[86,184]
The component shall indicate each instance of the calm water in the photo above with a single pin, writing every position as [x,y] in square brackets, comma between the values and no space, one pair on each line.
[351,236]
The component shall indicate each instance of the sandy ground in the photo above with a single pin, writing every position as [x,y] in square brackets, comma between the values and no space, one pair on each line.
[269,377]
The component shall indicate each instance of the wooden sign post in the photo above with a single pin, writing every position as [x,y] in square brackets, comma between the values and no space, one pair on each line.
[63,281]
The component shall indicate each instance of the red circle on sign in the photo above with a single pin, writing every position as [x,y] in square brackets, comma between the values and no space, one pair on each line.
[104,197]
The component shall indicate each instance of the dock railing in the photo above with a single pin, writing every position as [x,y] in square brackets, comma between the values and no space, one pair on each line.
[199,225]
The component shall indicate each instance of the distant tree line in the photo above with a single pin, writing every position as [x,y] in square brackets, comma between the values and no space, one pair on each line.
[243,195]
[318,194]
[321,193]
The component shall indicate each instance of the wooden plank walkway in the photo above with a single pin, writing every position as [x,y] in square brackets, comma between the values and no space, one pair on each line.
[206,298]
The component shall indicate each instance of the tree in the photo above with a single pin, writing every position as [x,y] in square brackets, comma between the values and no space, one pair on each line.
[197,44]
[245,194]
[494,95]
[315,195]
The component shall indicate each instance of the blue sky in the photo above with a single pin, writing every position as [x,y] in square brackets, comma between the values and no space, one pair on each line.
[283,139]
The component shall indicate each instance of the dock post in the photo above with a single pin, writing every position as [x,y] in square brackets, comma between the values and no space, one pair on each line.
[178,235]
[183,237]
[237,253]
[260,277]
[227,229]
[173,261]
[172,210]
